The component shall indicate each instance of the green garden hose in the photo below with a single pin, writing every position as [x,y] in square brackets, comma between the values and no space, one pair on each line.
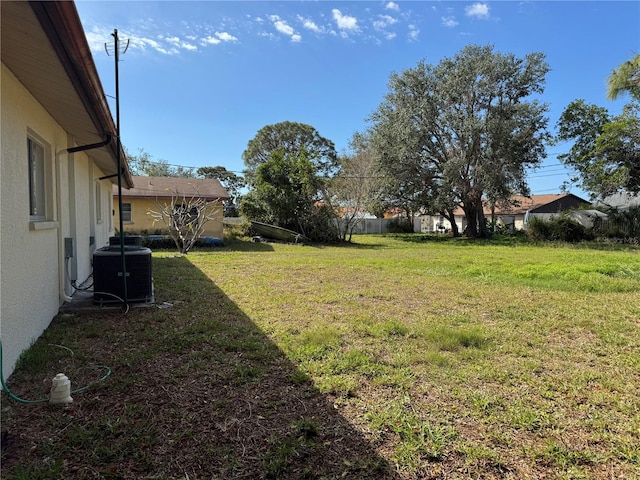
[42,400]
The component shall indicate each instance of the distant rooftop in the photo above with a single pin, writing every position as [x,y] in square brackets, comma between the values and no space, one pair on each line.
[154,187]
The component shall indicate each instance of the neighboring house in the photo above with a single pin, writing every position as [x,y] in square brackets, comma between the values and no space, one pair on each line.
[152,192]
[512,213]
[58,164]
[621,201]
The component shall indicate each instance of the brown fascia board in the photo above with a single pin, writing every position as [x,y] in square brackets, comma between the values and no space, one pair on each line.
[61,23]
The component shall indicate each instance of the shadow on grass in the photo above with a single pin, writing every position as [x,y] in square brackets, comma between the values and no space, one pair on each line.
[197,391]
[229,246]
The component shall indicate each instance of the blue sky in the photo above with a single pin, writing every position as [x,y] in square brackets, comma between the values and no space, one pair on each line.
[201,78]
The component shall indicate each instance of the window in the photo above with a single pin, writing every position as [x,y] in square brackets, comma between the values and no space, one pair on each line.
[126,212]
[37,192]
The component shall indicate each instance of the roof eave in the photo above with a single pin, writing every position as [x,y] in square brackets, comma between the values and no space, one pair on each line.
[61,23]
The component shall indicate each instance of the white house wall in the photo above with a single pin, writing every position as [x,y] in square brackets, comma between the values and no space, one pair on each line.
[33,283]
[81,221]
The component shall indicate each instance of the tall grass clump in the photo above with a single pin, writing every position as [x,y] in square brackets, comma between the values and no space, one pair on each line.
[452,339]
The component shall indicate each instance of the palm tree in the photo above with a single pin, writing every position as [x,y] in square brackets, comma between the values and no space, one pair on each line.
[625,78]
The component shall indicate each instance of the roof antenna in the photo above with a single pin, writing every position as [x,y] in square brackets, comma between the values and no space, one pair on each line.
[116,47]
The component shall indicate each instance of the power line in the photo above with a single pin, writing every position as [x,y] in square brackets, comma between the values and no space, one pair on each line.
[185,167]
[552,165]
[562,174]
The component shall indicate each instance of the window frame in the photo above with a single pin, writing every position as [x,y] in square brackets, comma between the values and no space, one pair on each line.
[98,201]
[37,174]
[128,211]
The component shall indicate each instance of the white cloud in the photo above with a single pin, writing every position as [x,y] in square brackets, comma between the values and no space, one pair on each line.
[392,6]
[479,10]
[310,24]
[226,37]
[164,44]
[281,25]
[284,28]
[345,22]
[177,44]
[449,22]
[96,39]
[217,38]
[209,40]
[383,22]
[389,35]
[144,43]
[413,32]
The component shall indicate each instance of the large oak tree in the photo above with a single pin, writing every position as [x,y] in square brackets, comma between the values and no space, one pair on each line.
[465,129]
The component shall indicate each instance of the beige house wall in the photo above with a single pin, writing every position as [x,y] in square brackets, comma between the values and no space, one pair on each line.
[429,223]
[33,265]
[143,223]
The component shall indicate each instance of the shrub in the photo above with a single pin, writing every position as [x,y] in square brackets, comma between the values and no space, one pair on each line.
[560,228]
[619,223]
[236,231]
[400,225]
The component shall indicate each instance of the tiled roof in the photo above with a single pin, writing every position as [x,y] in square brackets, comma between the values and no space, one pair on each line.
[154,187]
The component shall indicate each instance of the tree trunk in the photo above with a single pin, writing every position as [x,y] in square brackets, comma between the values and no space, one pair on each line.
[410,215]
[474,212]
[472,221]
[493,217]
[452,220]
[482,224]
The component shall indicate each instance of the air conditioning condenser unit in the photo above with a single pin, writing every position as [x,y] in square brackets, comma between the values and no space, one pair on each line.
[107,275]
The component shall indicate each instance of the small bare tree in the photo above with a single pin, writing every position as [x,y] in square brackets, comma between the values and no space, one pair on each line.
[356,189]
[185,217]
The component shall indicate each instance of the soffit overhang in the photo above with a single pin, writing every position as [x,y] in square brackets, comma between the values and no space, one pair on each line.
[44,45]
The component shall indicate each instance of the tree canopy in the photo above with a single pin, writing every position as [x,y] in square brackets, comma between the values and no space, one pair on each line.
[287,192]
[625,78]
[143,165]
[232,183]
[291,138]
[606,150]
[451,133]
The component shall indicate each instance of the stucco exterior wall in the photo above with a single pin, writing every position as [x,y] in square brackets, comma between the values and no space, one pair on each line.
[33,283]
[141,222]
[89,217]
[29,295]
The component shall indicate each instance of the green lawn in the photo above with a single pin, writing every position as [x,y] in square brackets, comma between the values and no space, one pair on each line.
[405,357]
